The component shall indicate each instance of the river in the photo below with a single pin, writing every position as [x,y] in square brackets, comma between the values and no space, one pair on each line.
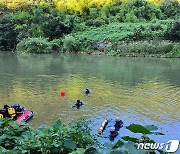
[137,90]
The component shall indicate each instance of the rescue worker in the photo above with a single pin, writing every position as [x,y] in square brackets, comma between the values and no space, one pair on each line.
[113,133]
[78,104]
[118,124]
[87,92]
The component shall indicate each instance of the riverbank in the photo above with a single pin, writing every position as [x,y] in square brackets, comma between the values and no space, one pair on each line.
[144,39]
[130,54]
[130,28]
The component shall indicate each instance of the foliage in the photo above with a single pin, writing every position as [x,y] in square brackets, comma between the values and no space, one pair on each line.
[74,138]
[22,20]
[7,33]
[51,23]
[21,138]
[175,51]
[11,132]
[171,8]
[90,22]
[16,4]
[95,8]
[56,44]
[174,32]
[41,21]
[146,47]
[35,45]
[70,44]
[115,32]
[134,11]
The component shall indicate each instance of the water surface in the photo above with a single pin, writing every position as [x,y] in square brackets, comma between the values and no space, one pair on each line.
[138,90]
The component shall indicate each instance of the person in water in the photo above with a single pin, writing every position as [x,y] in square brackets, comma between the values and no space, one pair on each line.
[17,108]
[113,133]
[78,104]
[87,92]
[9,112]
[5,112]
[118,124]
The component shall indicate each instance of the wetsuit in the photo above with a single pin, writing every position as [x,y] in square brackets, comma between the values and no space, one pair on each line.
[113,135]
[118,125]
[87,91]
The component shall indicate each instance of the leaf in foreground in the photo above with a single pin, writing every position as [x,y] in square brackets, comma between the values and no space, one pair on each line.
[132,139]
[118,144]
[138,129]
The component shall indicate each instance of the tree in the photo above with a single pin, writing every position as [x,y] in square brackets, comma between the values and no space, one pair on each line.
[7,33]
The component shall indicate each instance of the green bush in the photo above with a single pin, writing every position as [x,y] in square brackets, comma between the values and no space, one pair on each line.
[35,45]
[56,44]
[70,44]
[21,138]
[176,50]
[89,22]
[174,32]
[98,22]
[93,12]
[148,47]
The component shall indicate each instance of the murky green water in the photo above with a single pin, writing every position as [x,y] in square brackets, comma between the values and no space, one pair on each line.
[138,90]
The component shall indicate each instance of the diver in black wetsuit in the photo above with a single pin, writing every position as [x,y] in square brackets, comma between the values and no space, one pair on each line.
[87,92]
[17,108]
[5,111]
[113,134]
[78,104]
[118,124]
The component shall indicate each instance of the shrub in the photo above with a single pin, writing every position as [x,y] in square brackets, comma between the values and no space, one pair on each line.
[35,45]
[56,44]
[99,22]
[176,50]
[130,17]
[89,22]
[174,32]
[21,138]
[93,12]
[70,44]
[148,47]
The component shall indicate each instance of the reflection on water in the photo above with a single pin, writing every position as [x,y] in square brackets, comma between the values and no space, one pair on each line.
[138,90]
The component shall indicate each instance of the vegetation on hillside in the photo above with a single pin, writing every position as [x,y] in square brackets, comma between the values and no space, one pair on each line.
[90,26]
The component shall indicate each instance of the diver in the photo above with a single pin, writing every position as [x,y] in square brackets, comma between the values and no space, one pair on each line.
[2,113]
[11,112]
[113,133]
[78,104]
[17,108]
[87,91]
[5,111]
[110,127]
[118,124]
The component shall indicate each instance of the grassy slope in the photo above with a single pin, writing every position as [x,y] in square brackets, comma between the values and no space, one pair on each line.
[136,39]
[120,31]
